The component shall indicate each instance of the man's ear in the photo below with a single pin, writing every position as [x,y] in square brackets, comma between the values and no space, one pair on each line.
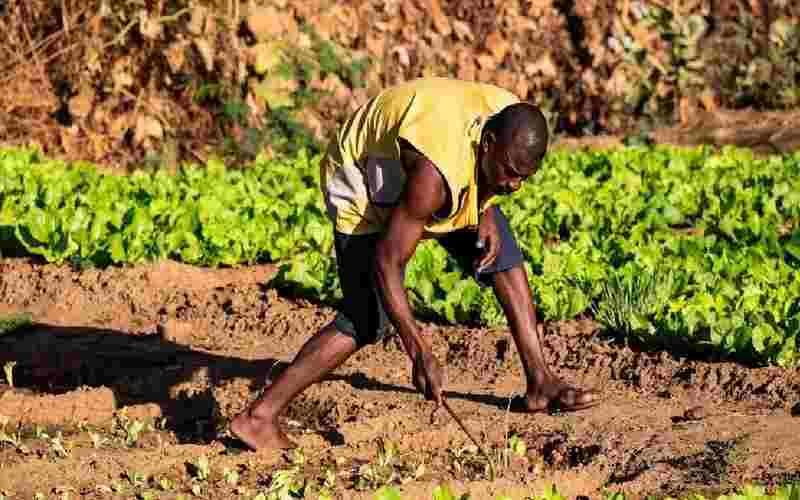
[488,138]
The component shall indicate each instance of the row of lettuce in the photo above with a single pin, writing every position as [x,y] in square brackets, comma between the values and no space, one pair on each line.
[747,492]
[696,247]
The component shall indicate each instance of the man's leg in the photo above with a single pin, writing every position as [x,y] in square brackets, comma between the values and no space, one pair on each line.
[323,353]
[509,280]
[361,321]
[544,389]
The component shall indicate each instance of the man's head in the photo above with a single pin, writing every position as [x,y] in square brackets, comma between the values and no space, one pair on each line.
[513,144]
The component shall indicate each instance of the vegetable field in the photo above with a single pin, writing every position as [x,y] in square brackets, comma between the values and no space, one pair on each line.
[696,249]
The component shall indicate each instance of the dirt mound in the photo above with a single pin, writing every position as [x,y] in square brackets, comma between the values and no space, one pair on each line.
[175,275]
[83,405]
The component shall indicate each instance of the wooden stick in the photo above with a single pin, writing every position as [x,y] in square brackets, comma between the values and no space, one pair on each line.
[469,435]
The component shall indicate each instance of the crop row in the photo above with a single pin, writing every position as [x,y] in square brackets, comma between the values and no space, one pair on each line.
[663,244]
[748,492]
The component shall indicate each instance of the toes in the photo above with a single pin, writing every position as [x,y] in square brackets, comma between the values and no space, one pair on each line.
[528,404]
[537,404]
[577,399]
[567,399]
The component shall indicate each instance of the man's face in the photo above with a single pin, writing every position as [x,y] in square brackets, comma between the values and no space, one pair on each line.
[504,170]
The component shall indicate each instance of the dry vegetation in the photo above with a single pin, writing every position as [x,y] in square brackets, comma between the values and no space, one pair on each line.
[164,81]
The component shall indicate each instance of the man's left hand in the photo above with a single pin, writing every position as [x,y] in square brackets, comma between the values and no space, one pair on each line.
[489,239]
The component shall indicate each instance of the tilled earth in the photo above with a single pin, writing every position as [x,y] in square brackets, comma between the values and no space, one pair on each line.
[183,349]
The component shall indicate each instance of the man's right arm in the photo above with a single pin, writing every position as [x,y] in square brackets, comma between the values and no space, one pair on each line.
[424,195]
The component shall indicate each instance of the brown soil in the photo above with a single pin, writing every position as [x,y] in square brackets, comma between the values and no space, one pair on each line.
[194,346]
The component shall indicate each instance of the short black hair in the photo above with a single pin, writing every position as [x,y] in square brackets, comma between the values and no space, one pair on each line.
[521,126]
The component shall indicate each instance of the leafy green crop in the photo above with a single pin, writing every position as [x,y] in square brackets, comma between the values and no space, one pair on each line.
[723,224]
[593,226]
[8,324]
[748,492]
[204,216]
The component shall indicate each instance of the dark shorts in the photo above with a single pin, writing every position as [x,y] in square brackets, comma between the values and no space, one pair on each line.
[361,313]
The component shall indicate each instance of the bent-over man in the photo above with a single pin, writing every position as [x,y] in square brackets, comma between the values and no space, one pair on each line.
[421,160]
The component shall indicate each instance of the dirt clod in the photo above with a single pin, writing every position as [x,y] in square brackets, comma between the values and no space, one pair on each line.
[94,406]
[179,332]
[145,411]
[694,413]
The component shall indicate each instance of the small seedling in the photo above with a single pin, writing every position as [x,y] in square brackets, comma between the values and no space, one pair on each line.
[57,445]
[551,493]
[40,433]
[514,446]
[146,495]
[329,484]
[131,429]
[568,428]
[381,472]
[166,484]
[12,438]
[490,462]
[288,483]
[442,492]
[136,478]
[8,369]
[132,432]
[97,439]
[323,491]
[231,476]
[285,484]
[387,493]
[202,468]
[517,446]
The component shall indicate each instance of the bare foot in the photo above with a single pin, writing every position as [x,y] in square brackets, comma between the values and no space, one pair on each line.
[560,396]
[259,433]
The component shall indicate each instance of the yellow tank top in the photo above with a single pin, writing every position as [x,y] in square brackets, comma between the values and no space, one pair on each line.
[362,176]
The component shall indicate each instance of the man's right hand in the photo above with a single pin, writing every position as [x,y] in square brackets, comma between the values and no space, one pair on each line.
[427,376]
[424,194]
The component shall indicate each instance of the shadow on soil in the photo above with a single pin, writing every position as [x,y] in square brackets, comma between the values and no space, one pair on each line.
[705,472]
[149,369]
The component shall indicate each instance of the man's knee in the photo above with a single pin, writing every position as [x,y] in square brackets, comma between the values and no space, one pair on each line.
[364,333]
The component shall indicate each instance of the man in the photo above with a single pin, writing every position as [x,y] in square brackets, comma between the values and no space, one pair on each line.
[421,160]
